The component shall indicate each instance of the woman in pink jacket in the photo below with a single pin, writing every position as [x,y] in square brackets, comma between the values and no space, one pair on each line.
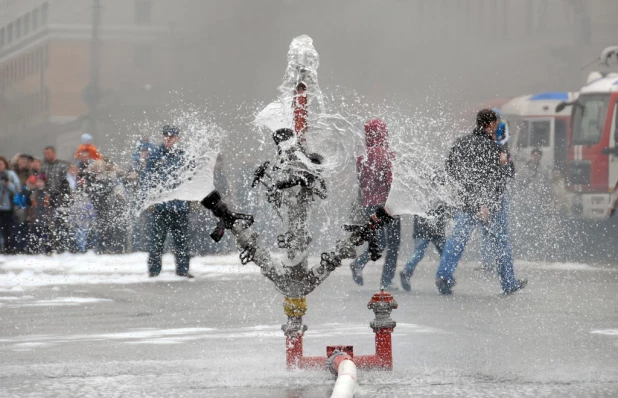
[375,176]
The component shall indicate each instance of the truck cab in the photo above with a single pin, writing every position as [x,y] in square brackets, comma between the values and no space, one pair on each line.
[592,161]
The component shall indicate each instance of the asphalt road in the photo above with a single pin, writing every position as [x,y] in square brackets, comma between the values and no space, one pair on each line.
[220,337]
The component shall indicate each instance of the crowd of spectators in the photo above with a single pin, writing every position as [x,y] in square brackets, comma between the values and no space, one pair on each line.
[50,205]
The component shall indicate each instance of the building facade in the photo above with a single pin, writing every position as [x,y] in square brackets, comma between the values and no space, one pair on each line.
[64,63]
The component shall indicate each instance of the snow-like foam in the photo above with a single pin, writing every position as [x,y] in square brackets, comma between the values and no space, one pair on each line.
[17,272]
[560,266]
[23,271]
[608,332]
[61,301]
[15,298]
[179,335]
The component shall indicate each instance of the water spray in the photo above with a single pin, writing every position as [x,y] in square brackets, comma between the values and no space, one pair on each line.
[294,181]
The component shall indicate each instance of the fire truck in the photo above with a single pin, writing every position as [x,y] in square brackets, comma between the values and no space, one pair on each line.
[592,157]
[534,122]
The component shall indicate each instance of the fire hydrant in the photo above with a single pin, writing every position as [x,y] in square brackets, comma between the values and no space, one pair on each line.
[382,304]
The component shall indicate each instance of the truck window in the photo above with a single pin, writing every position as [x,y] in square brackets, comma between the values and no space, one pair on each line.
[540,133]
[560,143]
[590,112]
[522,134]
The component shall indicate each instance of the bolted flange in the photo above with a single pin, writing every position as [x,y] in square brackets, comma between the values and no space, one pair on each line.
[382,304]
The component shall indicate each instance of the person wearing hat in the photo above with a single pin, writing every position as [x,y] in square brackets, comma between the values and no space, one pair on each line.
[172,216]
[87,146]
[476,166]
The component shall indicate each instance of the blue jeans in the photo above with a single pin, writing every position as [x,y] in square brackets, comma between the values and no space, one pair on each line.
[498,224]
[420,245]
[81,239]
[388,237]
[498,237]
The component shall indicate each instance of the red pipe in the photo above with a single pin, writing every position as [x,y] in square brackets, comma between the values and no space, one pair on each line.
[293,351]
[299,106]
[381,303]
[383,359]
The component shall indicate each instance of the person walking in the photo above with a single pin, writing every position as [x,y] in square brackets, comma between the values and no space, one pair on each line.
[374,171]
[55,171]
[477,166]
[172,216]
[429,229]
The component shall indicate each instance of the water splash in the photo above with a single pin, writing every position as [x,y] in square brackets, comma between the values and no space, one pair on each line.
[329,133]
[193,177]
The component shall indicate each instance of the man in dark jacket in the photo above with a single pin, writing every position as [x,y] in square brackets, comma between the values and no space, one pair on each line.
[478,168]
[165,166]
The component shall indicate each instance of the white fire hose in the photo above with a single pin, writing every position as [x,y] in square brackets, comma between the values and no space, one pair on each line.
[342,365]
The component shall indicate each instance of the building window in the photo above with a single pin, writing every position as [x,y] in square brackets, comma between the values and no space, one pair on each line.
[18,29]
[45,99]
[37,60]
[9,33]
[26,19]
[142,56]
[143,12]
[20,68]
[44,10]
[46,55]
[35,19]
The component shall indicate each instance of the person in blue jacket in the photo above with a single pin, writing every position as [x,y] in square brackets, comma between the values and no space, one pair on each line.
[165,165]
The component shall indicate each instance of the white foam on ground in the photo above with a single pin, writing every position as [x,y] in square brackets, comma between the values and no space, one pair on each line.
[560,266]
[179,335]
[25,271]
[608,332]
[60,301]
[12,289]
[17,272]
[161,341]
[32,344]
[14,298]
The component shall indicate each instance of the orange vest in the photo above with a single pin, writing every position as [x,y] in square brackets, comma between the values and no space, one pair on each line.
[91,149]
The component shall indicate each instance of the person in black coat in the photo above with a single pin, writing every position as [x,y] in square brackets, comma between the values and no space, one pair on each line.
[478,168]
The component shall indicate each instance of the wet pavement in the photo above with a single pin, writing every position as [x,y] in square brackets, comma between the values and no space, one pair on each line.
[219,336]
